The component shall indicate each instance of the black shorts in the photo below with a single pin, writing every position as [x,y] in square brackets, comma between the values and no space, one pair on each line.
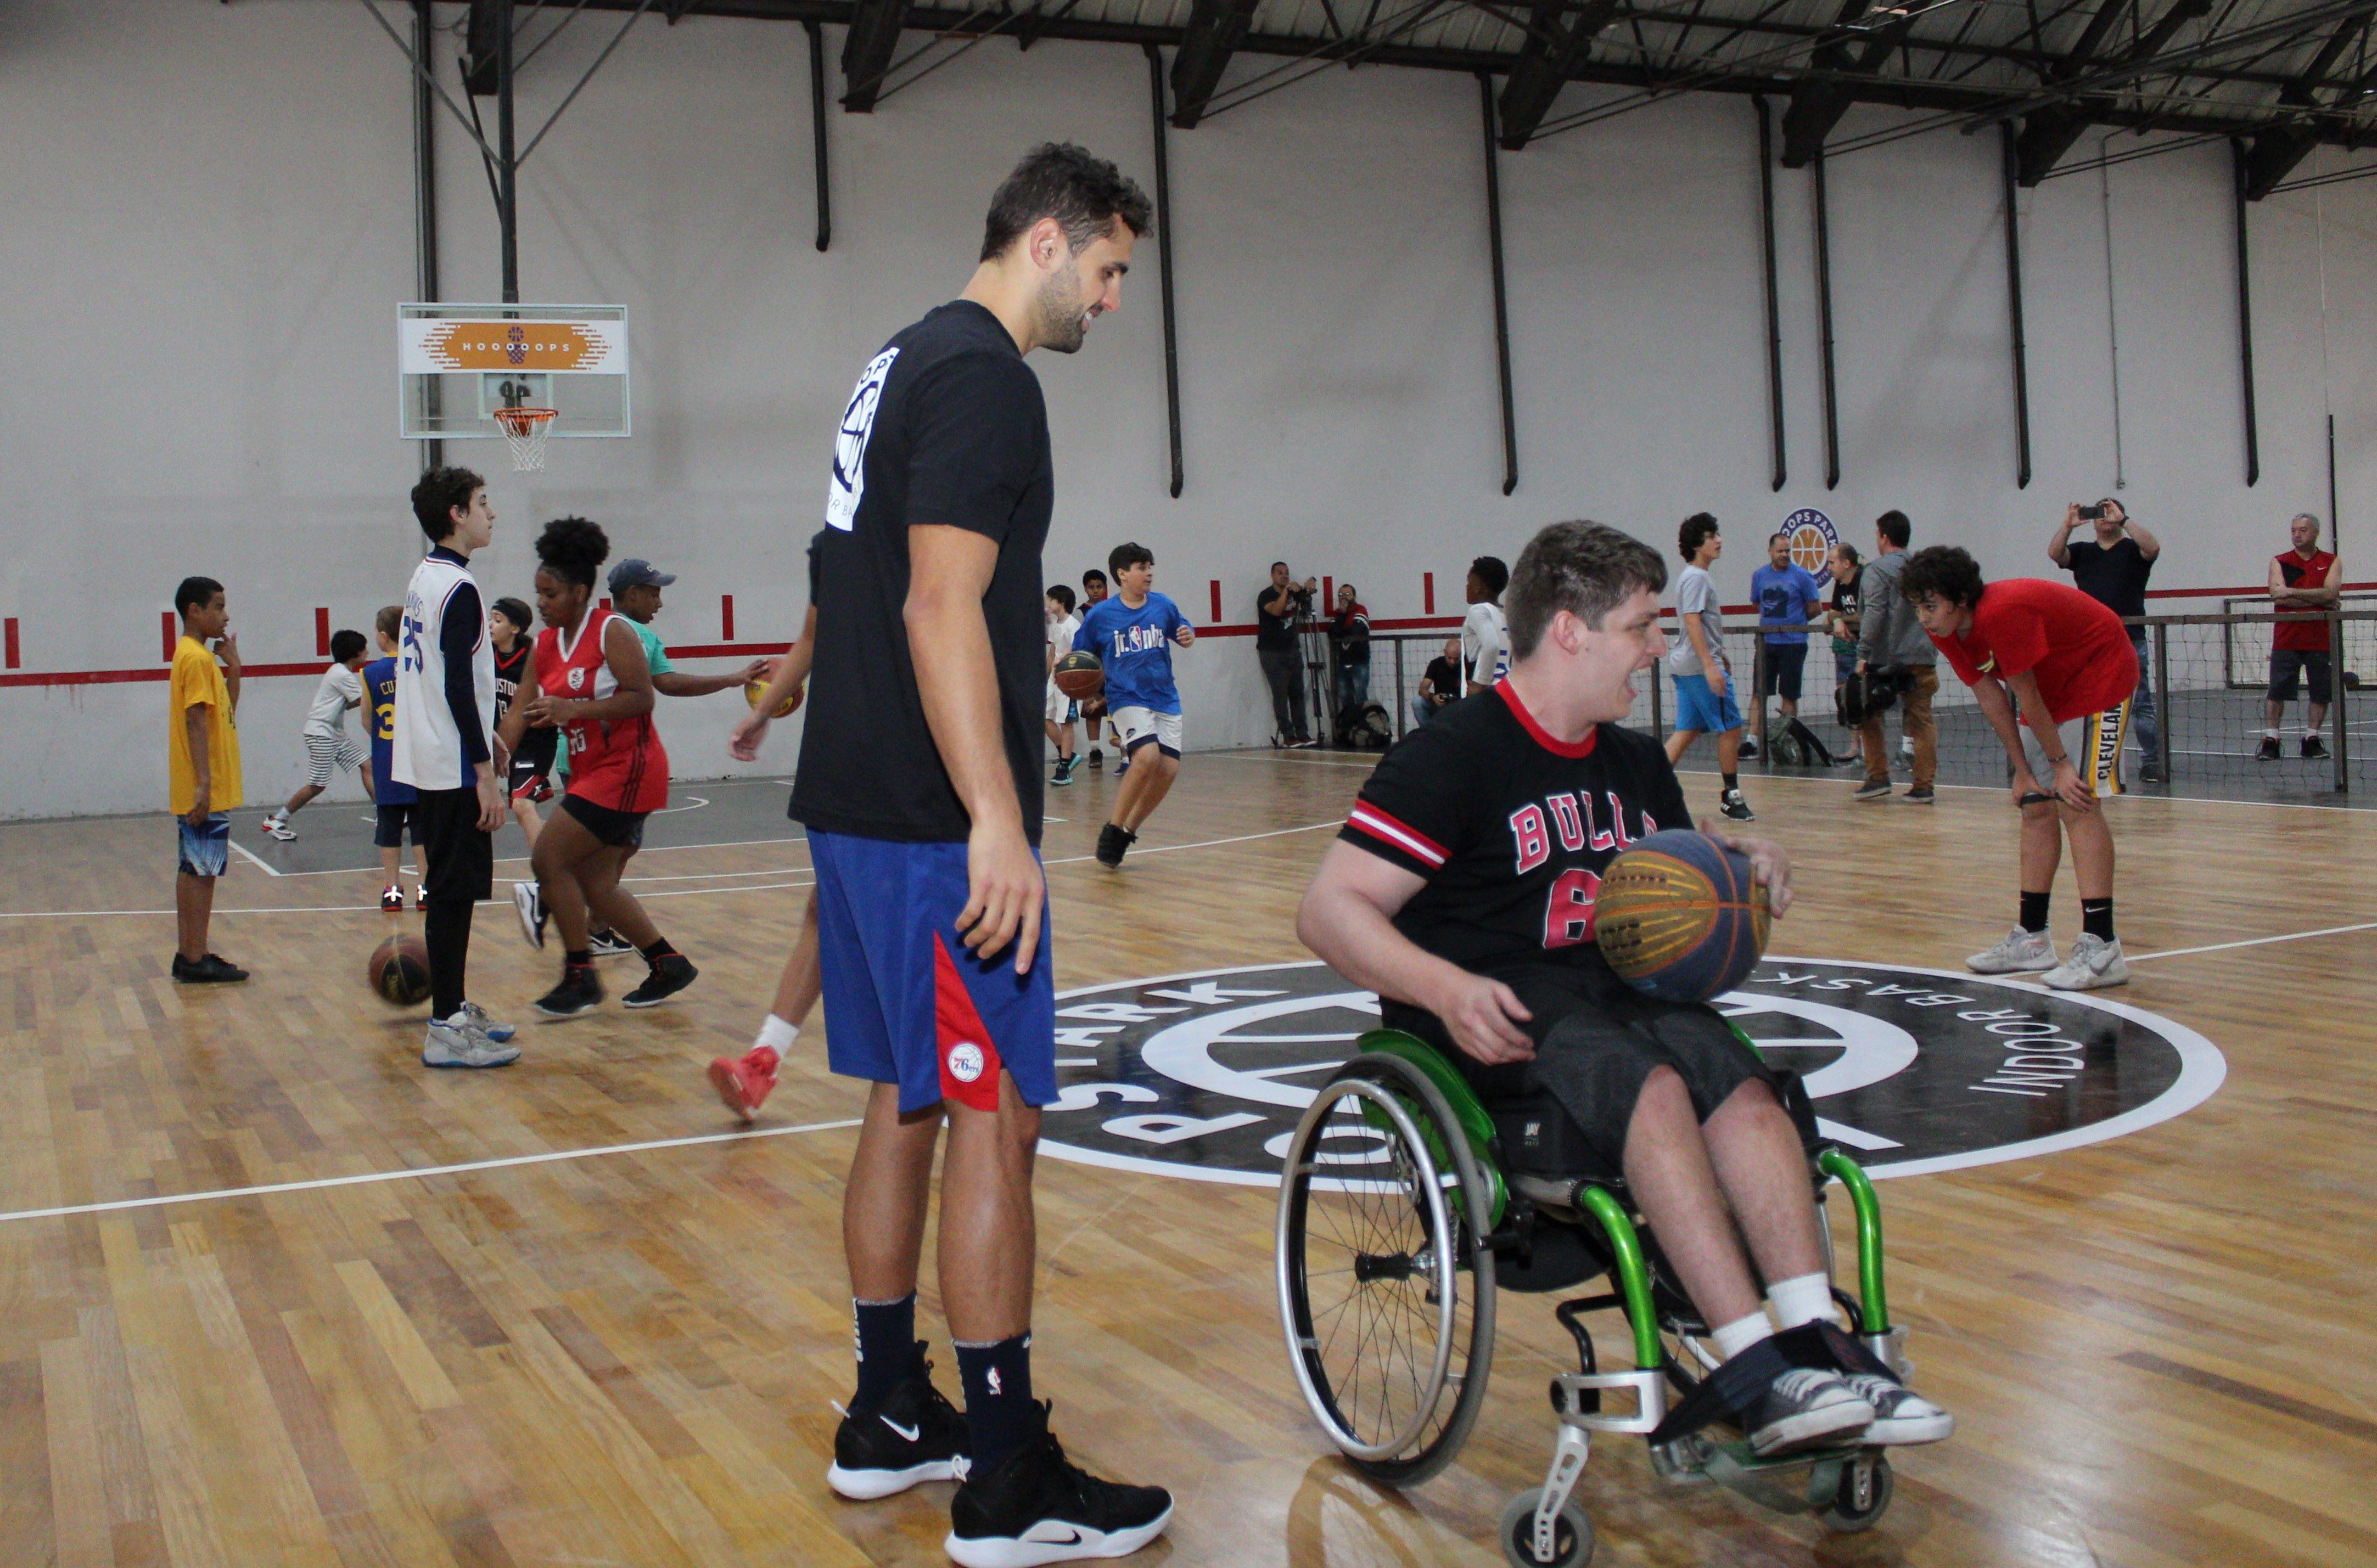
[2290,665]
[620,831]
[458,861]
[1597,1040]
[1786,662]
[394,823]
[532,764]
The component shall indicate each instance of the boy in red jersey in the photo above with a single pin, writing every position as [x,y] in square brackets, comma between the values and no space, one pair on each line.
[2065,663]
[592,683]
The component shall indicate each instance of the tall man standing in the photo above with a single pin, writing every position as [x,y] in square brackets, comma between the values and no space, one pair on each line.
[1277,609]
[1787,600]
[2305,577]
[1892,641]
[2112,569]
[445,747]
[920,785]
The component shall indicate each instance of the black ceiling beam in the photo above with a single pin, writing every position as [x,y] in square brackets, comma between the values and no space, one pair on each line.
[2050,133]
[1553,50]
[866,50]
[1824,95]
[479,50]
[2276,151]
[1206,44]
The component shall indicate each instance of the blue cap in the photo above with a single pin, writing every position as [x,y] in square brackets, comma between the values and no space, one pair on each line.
[637,572]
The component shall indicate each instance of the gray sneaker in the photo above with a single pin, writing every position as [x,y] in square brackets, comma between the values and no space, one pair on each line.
[2094,962]
[461,1041]
[1805,1406]
[2022,953]
[1899,1415]
[1874,790]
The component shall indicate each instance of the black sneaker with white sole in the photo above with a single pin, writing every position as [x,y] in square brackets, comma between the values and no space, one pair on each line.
[2314,747]
[1735,808]
[670,974]
[915,1435]
[528,903]
[579,992]
[604,943]
[1040,1507]
[2269,750]
[1112,842]
[1802,1408]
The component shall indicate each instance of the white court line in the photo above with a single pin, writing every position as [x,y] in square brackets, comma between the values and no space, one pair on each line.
[250,855]
[522,860]
[321,1181]
[668,893]
[1289,761]
[2253,941]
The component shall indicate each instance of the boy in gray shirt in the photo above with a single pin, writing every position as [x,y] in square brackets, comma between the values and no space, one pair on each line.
[1705,698]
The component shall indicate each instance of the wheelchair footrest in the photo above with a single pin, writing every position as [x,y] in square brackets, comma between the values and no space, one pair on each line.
[1579,1400]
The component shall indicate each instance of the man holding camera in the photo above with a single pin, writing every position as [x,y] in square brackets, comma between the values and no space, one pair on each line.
[1893,653]
[1278,609]
[2112,569]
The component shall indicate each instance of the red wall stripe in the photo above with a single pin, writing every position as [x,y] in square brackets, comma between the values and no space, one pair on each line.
[11,639]
[1217,598]
[322,630]
[165,621]
[1428,593]
[726,617]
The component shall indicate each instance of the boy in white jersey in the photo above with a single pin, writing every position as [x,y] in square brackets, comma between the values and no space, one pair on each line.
[1061,711]
[1485,639]
[445,749]
[329,747]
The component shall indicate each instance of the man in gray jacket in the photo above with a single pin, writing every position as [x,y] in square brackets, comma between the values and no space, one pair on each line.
[1892,640]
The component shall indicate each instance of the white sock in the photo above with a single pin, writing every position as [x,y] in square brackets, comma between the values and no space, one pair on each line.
[777,1035]
[1807,1299]
[2272,734]
[1739,1335]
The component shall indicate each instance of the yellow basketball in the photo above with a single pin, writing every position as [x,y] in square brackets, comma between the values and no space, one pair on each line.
[1680,917]
[755,692]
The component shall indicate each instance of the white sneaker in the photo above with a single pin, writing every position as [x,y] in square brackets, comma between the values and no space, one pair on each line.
[277,826]
[2094,962]
[2022,953]
[462,1041]
[530,906]
[1899,1415]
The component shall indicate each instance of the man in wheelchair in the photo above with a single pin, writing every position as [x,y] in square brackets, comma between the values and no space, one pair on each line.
[1462,890]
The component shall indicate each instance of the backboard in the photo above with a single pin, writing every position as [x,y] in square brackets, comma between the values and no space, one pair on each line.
[457,364]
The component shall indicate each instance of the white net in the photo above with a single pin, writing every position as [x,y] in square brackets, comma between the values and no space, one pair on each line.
[524,432]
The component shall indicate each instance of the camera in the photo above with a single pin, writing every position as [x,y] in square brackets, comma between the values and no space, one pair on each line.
[2091,514]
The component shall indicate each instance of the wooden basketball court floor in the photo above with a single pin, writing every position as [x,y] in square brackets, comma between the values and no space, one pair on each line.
[580,1322]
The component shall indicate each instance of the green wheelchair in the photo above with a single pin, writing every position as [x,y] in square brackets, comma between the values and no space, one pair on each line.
[1406,1202]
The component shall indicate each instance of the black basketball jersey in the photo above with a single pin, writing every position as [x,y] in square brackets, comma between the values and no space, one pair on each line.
[1511,828]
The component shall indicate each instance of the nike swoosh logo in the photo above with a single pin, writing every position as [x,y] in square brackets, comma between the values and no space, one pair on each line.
[908,1433]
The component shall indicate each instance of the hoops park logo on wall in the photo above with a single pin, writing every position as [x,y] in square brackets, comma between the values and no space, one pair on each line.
[1203,1075]
[1812,537]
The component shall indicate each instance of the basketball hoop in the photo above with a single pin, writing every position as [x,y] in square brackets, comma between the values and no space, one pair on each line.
[524,432]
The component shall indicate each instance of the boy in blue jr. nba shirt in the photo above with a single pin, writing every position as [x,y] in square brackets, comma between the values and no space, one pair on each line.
[1132,635]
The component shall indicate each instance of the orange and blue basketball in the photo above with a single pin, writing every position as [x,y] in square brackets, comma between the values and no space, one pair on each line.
[1680,917]
[1080,676]
[399,970]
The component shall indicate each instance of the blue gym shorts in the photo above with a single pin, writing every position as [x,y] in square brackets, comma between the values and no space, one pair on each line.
[206,851]
[1698,709]
[905,1002]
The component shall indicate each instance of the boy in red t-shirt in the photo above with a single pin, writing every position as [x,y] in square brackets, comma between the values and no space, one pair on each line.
[2054,672]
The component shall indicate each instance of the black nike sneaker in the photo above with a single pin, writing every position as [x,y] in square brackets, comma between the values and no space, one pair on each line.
[1112,842]
[578,994]
[672,973]
[915,1435]
[1040,1507]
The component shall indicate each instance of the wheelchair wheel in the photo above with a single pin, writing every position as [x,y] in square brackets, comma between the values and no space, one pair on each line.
[1386,1284]
[1866,1486]
[1571,1534]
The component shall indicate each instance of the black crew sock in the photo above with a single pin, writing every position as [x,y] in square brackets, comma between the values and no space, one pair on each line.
[2034,910]
[577,958]
[999,1412]
[659,949]
[887,1352]
[1732,782]
[2096,918]
[446,931]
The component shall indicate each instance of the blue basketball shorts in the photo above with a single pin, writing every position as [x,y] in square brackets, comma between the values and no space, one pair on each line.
[204,851]
[1698,709]
[905,1002]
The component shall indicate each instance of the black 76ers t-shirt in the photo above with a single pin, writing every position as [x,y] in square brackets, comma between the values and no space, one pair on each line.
[946,427]
[1512,830]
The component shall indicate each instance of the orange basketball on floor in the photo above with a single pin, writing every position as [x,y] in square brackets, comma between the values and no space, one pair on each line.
[399,970]
[1679,916]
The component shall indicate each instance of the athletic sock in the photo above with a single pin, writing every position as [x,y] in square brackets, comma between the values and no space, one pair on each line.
[887,1352]
[577,958]
[1732,782]
[2096,918]
[2034,910]
[659,949]
[1803,1299]
[2272,734]
[446,931]
[1733,1338]
[999,1408]
[777,1035]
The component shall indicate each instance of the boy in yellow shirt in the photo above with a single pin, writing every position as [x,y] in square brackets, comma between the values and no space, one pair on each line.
[202,751]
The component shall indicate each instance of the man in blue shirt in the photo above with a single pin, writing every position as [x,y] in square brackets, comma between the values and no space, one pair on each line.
[1132,635]
[1789,599]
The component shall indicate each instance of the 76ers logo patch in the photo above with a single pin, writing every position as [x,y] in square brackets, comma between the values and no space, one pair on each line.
[965,1061]
[1203,1075]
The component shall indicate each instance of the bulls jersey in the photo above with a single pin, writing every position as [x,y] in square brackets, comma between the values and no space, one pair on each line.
[616,763]
[1511,828]
[444,678]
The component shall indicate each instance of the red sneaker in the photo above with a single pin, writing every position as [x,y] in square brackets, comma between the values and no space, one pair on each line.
[743,1082]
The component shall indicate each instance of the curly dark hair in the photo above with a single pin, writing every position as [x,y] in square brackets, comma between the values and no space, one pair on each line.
[573,550]
[437,493]
[1082,192]
[1581,568]
[1943,571]
[1695,533]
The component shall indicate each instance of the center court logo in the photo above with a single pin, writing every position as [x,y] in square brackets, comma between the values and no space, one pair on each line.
[1203,1075]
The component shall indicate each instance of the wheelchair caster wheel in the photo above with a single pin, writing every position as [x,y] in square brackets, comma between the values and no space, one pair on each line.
[1571,1534]
[1864,1493]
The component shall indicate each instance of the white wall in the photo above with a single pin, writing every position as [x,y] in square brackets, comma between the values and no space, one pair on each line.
[209,223]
